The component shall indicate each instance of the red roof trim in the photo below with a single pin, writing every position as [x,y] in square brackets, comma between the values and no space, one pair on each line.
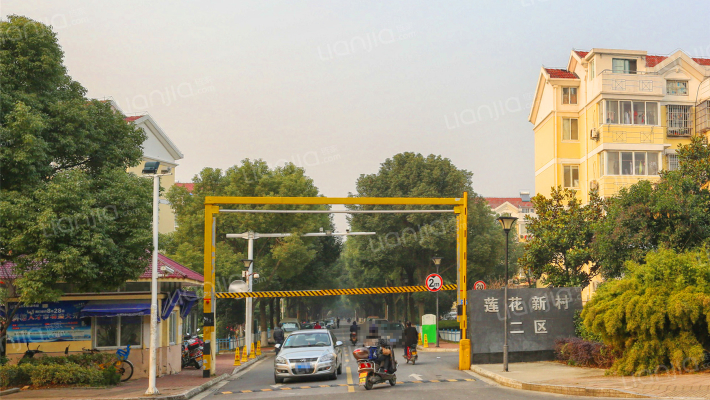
[189,186]
[495,202]
[133,118]
[581,54]
[702,61]
[557,73]
[652,61]
[180,271]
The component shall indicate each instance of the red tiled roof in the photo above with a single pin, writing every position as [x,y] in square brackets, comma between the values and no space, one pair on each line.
[652,61]
[133,118]
[495,202]
[180,271]
[189,186]
[702,61]
[561,73]
[581,54]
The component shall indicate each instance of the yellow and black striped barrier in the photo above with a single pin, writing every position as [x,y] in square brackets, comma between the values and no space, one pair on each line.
[329,292]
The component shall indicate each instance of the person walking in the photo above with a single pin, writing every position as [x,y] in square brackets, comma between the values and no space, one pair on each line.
[278,337]
[337,322]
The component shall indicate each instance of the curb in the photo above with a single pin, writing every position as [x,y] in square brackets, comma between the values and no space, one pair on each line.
[558,389]
[9,391]
[435,350]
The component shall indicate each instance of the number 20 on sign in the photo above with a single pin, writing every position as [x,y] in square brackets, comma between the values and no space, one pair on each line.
[434,282]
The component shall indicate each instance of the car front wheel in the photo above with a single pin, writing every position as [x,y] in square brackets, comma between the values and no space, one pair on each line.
[278,380]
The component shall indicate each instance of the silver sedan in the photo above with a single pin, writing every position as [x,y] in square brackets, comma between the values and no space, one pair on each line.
[309,353]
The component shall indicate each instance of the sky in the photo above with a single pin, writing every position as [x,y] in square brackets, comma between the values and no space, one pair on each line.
[337,87]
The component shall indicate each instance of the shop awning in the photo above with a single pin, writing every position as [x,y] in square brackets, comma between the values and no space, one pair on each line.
[184,298]
[115,309]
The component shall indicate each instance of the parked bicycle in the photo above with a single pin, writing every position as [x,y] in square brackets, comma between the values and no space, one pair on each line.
[122,365]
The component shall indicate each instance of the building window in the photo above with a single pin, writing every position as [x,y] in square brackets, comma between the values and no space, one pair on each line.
[173,328]
[677,88]
[623,66]
[569,95]
[569,129]
[679,122]
[626,112]
[672,162]
[592,72]
[630,163]
[117,331]
[571,176]
[522,229]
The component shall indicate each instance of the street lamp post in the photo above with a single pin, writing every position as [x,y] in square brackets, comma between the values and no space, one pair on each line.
[437,261]
[507,223]
[151,169]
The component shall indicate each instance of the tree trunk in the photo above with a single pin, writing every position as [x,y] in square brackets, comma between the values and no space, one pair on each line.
[272,323]
[278,311]
[262,314]
[421,311]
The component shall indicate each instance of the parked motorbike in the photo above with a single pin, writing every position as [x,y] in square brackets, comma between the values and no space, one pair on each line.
[192,347]
[29,353]
[369,370]
[353,338]
[411,354]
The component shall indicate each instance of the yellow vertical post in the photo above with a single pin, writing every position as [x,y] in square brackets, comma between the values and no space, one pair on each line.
[209,299]
[462,245]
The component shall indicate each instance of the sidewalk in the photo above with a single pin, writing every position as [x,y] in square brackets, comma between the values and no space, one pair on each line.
[175,387]
[559,378]
[443,347]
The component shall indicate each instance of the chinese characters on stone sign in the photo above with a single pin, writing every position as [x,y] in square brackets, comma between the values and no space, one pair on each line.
[537,303]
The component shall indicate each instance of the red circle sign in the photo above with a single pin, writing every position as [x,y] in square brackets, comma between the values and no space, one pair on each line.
[434,282]
[479,285]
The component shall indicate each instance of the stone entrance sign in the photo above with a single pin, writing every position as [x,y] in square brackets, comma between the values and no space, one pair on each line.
[536,317]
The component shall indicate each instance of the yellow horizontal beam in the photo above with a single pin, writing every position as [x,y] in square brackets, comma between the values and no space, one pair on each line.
[329,292]
[336,200]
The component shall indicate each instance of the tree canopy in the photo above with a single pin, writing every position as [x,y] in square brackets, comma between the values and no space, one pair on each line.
[69,211]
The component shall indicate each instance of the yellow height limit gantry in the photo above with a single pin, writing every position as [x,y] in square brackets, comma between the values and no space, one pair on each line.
[212,210]
[328,292]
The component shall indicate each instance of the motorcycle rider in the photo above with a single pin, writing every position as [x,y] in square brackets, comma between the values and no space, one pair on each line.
[410,337]
[384,357]
[278,336]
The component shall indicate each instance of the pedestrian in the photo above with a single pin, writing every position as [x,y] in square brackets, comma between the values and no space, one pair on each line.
[317,326]
[337,322]
[278,337]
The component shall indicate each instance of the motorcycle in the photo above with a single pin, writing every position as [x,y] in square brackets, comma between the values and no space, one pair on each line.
[369,370]
[29,353]
[411,354]
[353,338]
[192,347]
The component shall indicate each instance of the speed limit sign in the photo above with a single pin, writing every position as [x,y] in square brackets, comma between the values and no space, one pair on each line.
[434,282]
[479,285]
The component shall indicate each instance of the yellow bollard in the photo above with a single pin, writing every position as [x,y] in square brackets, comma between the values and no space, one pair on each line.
[426,342]
[258,348]
[236,358]
[251,352]
[419,342]
[244,354]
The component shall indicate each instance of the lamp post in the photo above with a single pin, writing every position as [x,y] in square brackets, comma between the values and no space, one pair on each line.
[507,223]
[249,266]
[437,261]
[150,169]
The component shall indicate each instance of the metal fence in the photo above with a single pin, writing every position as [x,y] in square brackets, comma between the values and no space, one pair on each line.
[230,344]
[450,334]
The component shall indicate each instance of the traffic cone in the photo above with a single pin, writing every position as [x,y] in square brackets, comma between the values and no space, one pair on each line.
[244,354]
[237,362]
[258,348]
[426,342]
[251,352]
[419,341]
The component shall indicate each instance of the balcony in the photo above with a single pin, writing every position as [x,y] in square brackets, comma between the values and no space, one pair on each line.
[632,134]
[637,83]
[610,185]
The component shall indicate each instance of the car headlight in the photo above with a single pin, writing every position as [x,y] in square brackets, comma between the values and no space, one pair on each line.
[280,360]
[327,357]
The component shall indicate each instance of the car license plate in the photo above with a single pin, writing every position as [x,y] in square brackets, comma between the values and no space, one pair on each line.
[363,377]
[302,368]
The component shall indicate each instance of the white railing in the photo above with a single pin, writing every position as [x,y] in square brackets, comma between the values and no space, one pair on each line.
[450,335]
[630,83]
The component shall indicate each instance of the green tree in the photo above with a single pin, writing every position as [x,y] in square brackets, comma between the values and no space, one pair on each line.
[560,248]
[401,252]
[672,213]
[658,314]
[290,263]
[69,211]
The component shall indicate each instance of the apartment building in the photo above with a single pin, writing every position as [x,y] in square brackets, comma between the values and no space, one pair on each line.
[518,207]
[613,117]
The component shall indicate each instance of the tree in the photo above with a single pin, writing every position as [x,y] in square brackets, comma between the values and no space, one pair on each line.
[69,211]
[290,263]
[562,231]
[658,315]
[401,252]
[672,213]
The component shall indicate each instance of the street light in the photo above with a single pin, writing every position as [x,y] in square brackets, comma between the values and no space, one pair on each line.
[151,169]
[437,261]
[507,222]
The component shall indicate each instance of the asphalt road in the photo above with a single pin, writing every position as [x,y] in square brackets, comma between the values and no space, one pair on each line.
[415,382]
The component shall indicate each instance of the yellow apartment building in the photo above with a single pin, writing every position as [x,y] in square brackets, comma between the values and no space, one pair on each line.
[611,118]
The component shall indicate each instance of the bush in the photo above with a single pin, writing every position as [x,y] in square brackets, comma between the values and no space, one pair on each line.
[581,331]
[449,325]
[80,369]
[584,353]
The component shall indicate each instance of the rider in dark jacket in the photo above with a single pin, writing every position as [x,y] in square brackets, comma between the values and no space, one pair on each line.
[411,337]
[386,362]
[278,336]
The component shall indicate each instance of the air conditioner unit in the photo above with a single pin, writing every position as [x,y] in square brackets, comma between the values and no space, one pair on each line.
[594,133]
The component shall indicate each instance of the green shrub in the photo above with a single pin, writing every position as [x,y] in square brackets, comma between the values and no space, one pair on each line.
[581,331]
[449,324]
[47,371]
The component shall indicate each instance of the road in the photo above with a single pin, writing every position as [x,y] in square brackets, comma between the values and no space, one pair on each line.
[434,373]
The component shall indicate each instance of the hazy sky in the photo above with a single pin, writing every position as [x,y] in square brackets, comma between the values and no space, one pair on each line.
[338,87]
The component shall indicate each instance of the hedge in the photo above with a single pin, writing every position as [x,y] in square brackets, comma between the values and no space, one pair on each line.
[584,353]
[78,369]
[449,324]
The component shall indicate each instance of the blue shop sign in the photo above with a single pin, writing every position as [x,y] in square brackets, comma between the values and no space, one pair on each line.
[49,322]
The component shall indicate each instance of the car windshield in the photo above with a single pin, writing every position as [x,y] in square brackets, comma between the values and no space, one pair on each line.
[289,327]
[317,339]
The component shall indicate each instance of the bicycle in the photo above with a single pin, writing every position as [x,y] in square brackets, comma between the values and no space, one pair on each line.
[122,365]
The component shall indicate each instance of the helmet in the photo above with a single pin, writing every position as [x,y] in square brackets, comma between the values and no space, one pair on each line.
[383,342]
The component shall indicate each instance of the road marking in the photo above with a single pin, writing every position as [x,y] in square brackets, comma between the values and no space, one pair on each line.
[349,376]
[351,386]
[415,377]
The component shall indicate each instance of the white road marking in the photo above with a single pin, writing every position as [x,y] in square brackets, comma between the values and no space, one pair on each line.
[416,377]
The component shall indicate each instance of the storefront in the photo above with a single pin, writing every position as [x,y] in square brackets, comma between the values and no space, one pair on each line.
[109,321]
